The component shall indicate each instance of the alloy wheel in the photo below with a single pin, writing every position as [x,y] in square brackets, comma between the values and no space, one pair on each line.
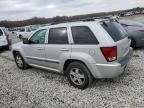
[77,76]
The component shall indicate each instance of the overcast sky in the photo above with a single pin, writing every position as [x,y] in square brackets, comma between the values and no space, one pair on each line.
[24,9]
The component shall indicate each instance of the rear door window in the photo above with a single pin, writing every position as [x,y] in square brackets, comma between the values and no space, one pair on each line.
[83,35]
[115,30]
[58,36]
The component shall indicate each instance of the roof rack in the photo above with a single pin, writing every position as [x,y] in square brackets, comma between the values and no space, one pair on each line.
[55,23]
[110,17]
[84,20]
[88,19]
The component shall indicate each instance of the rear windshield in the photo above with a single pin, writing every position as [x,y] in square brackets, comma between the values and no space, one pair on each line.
[115,30]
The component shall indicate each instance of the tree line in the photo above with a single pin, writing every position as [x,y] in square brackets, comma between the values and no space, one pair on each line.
[36,20]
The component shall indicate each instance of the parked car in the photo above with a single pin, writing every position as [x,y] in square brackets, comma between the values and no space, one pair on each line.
[81,50]
[126,14]
[13,31]
[137,12]
[4,38]
[25,32]
[136,32]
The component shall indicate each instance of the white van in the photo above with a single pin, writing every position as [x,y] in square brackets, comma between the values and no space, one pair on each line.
[4,38]
[26,31]
[23,31]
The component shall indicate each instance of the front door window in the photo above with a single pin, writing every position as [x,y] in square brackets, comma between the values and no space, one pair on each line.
[38,37]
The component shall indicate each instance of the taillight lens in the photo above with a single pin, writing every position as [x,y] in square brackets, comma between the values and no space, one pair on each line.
[110,53]
[141,30]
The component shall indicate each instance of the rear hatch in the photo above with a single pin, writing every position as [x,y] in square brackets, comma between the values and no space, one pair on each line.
[119,36]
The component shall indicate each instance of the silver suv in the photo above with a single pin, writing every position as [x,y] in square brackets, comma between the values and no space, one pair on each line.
[81,50]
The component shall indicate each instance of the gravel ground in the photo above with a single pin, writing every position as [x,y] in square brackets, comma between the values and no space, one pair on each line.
[35,88]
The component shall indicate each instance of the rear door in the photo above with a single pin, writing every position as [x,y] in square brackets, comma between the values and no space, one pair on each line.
[119,36]
[58,47]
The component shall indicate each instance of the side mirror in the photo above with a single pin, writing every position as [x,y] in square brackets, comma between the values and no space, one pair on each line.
[26,41]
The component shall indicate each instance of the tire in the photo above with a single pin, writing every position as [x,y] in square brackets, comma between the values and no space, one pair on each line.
[21,64]
[78,75]
[133,44]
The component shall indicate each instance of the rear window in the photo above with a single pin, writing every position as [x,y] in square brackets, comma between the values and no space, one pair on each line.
[115,30]
[83,35]
[58,36]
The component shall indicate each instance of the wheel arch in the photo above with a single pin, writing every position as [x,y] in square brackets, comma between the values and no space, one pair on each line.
[69,61]
[14,52]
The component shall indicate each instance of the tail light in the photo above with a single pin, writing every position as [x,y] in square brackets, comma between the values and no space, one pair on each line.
[110,53]
[141,30]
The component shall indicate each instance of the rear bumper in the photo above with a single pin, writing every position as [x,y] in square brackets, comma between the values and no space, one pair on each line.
[126,58]
[114,69]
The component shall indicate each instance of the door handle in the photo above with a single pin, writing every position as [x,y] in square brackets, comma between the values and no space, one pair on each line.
[41,49]
[64,49]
